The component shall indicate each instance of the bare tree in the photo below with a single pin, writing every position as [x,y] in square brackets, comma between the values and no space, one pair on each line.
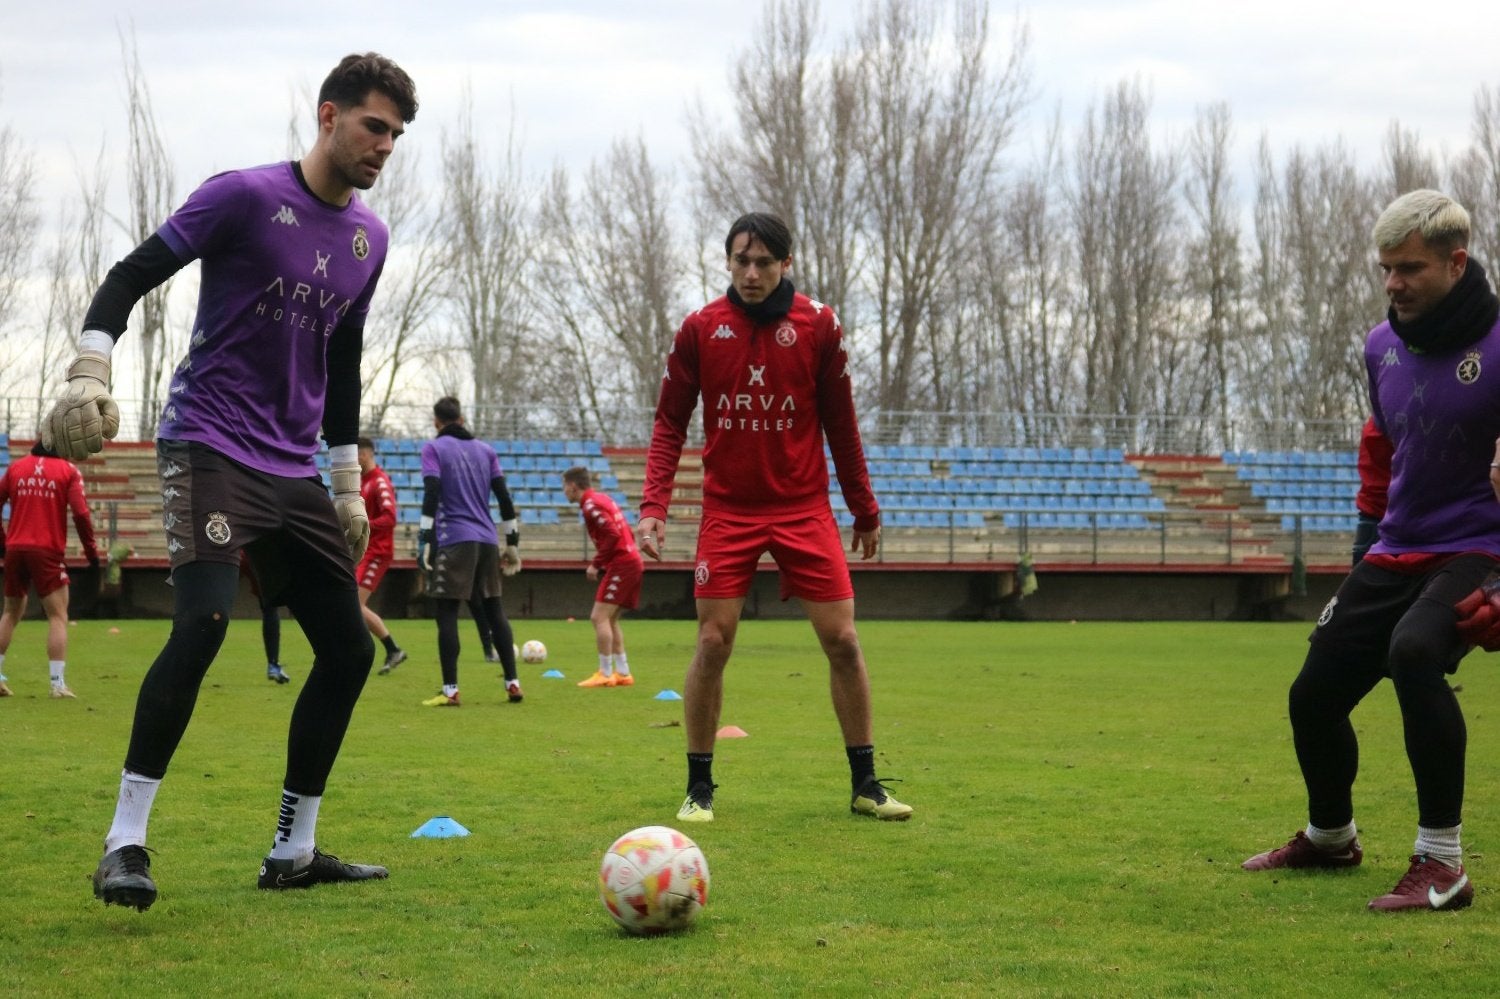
[20,224]
[615,275]
[1125,221]
[1475,177]
[793,150]
[1215,275]
[411,287]
[150,182]
[1315,287]
[489,244]
[930,155]
[74,269]
[1408,166]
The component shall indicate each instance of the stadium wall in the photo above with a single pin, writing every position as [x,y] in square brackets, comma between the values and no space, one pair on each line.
[891,592]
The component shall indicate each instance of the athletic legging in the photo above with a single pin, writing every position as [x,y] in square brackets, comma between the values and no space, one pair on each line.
[1331,684]
[343,651]
[446,613]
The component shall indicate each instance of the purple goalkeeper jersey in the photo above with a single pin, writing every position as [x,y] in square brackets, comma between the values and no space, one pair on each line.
[1442,413]
[281,269]
[465,467]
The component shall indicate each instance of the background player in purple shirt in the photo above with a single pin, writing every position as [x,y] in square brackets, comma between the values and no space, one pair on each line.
[457,545]
[290,259]
[1434,370]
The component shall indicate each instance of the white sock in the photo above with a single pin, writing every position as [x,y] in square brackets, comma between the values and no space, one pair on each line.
[607,665]
[622,665]
[56,667]
[1441,844]
[296,827]
[132,811]
[450,689]
[1330,839]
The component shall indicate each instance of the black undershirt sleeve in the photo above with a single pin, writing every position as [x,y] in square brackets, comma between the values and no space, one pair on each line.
[145,268]
[341,404]
[502,496]
[432,491]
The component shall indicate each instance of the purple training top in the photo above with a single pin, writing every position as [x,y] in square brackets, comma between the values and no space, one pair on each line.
[1442,412]
[465,468]
[281,270]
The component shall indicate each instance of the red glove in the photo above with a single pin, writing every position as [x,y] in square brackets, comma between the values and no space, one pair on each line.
[1479,616]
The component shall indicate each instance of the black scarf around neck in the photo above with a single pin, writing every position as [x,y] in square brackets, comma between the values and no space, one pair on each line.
[1463,315]
[773,306]
[455,430]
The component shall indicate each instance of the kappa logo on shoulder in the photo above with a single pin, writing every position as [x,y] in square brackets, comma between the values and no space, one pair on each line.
[286,217]
[1390,358]
[723,333]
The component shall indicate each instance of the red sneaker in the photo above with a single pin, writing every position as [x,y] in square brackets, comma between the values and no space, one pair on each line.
[1301,852]
[1429,884]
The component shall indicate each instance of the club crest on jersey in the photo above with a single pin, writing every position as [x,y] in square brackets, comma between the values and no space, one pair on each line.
[217,528]
[1327,614]
[361,243]
[700,574]
[786,334]
[1468,368]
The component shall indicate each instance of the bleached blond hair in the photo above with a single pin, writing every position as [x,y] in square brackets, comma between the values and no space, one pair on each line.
[1443,222]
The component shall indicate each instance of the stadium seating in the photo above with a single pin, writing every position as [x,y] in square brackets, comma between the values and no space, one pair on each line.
[1313,488]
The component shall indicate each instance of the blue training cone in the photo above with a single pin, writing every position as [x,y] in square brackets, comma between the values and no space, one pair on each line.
[553,674]
[668,695]
[440,827]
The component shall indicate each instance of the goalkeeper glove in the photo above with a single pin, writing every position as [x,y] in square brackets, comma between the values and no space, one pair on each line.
[85,416]
[424,549]
[510,560]
[1479,616]
[347,501]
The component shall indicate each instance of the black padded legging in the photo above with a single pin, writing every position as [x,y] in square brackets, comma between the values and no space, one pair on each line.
[446,613]
[1332,683]
[342,654]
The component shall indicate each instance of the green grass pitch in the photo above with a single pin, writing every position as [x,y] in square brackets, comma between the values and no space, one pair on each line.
[1084,795]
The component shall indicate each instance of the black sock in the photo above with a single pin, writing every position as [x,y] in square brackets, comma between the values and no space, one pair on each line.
[700,769]
[389,641]
[861,764]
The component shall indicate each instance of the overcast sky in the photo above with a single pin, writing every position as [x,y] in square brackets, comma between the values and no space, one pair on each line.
[583,72]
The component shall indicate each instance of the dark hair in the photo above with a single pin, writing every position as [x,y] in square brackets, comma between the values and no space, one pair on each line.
[765,227]
[40,450]
[356,75]
[364,442]
[578,475]
[448,410]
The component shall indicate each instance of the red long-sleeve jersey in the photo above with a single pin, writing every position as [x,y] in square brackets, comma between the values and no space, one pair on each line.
[40,491]
[380,506]
[607,529]
[771,392]
[1375,453]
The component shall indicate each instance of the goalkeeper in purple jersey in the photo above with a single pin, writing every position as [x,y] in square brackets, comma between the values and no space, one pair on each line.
[1405,610]
[290,258]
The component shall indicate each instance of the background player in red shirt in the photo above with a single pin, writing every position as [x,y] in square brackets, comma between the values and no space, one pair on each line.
[41,488]
[380,506]
[771,368]
[617,566]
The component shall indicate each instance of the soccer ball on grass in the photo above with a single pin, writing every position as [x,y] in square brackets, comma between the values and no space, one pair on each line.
[534,652]
[653,880]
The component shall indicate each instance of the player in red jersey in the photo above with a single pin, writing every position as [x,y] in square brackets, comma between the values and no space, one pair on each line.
[771,368]
[41,489]
[380,505]
[617,567]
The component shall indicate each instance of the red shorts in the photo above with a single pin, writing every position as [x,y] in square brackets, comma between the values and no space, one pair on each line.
[808,551]
[371,571]
[26,567]
[620,583]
